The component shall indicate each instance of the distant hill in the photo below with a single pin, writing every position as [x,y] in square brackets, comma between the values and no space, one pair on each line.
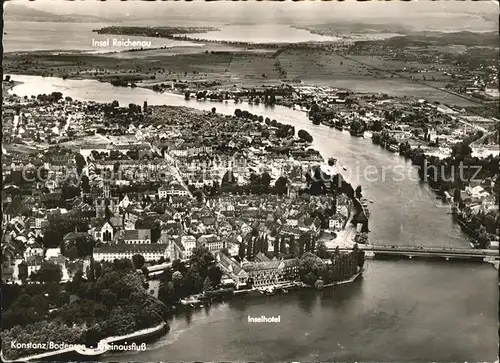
[16,12]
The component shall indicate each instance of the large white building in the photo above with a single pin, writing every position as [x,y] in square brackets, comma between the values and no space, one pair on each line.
[173,189]
[150,252]
[189,243]
[211,241]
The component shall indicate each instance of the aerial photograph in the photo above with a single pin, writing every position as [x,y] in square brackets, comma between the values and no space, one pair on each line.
[250,181]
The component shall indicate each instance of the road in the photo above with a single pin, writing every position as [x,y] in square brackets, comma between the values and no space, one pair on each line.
[175,172]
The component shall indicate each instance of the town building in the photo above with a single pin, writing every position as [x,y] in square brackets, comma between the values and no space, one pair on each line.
[232,269]
[211,241]
[150,252]
[189,243]
[135,236]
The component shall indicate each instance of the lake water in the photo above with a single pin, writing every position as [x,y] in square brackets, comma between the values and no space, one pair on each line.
[267,33]
[23,36]
[398,311]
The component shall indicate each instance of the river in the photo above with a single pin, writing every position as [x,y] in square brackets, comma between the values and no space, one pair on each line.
[399,310]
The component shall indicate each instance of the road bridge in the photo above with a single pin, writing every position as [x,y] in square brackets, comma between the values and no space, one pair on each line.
[447,253]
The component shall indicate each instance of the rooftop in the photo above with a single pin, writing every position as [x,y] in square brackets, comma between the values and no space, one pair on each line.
[132,248]
[136,234]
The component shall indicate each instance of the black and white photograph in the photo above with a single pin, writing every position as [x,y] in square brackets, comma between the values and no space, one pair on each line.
[250,181]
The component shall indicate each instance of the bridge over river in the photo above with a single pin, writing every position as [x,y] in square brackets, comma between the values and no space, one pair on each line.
[446,253]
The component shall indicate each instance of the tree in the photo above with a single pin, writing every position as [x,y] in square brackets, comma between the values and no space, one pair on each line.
[276,247]
[177,276]
[483,240]
[138,261]
[265,179]
[461,150]
[207,285]
[108,298]
[229,179]
[70,192]
[198,194]
[457,196]
[321,251]
[52,239]
[56,96]
[377,126]
[215,275]
[281,185]
[177,265]
[23,271]
[283,248]
[241,250]
[304,135]
[311,268]
[358,192]
[254,179]
[155,231]
[49,272]
[80,162]
[78,247]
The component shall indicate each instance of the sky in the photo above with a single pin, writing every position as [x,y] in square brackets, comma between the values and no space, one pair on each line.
[417,15]
[270,11]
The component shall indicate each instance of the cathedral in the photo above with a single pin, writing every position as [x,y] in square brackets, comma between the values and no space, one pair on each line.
[106,206]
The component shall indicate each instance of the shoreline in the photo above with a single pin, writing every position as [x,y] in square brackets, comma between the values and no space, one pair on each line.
[7,86]
[294,285]
[348,281]
[88,352]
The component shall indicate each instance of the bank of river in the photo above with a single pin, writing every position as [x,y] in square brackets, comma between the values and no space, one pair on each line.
[398,311]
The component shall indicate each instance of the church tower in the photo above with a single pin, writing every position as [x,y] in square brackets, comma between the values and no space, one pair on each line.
[106,202]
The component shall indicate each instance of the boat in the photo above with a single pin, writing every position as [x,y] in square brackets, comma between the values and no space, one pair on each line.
[268,291]
[191,301]
[394,148]
[285,291]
